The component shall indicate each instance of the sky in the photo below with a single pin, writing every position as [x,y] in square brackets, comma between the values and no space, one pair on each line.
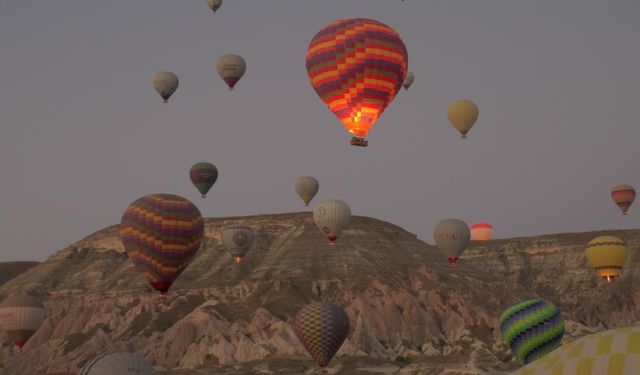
[83,134]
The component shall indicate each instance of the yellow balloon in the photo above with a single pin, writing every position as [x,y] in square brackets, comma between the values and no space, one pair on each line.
[607,255]
[462,115]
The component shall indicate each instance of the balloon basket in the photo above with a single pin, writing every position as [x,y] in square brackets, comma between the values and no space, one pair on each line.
[166,101]
[361,142]
[464,136]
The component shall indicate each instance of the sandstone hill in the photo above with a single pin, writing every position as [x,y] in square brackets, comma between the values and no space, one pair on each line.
[410,312]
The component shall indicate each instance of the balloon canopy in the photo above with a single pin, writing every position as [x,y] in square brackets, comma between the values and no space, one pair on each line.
[161,234]
[356,66]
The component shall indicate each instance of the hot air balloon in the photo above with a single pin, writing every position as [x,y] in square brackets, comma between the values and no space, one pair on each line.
[117,363]
[231,68]
[481,231]
[214,4]
[462,115]
[237,239]
[452,237]
[607,255]
[532,329]
[331,216]
[161,234]
[614,351]
[307,188]
[408,81]
[21,316]
[357,66]
[321,328]
[623,195]
[203,175]
[165,84]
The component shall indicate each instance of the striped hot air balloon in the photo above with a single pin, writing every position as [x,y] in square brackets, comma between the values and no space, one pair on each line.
[161,234]
[21,316]
[481,231]
[321,328]
[357,66]
[604,353]
[623,195]
[117,363]
[237,239]
[532,329]
[203,175]
[607,255]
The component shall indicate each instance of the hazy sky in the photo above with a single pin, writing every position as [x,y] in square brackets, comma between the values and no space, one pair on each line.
[83,133]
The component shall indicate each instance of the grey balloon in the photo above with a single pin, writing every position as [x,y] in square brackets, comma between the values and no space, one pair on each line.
[331,216]
[117,363]
[307,188]
[237,239]
[408,81]
[452,237]
[165,83]
[214,4]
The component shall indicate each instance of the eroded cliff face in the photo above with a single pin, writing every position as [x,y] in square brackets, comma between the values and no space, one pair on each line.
[410,312]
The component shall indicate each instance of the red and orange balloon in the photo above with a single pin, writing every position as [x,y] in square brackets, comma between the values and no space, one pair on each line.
[357,66]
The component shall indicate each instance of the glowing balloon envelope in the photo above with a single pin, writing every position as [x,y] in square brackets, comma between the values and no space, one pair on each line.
[463,114]
[165,84]
[321,328]
[307,188]
[623,195]
[532,329]
[237,239]
[214,4]
[161,234]
[331,216]
[356,66]
[609,352]
[452,237]
[607,255]
[231,68]
[21,316]
[203,175]
[117,363]
[481,231]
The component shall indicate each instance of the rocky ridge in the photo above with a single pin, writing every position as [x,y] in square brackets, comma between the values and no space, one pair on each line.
[410,312]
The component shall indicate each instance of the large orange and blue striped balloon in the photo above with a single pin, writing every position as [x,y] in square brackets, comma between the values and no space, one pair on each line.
[161,234]
[357,66]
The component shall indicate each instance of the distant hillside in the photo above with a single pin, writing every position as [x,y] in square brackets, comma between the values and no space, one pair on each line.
[9,270]
[410,312]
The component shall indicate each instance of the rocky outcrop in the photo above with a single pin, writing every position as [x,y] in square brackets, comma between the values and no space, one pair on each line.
[410,312]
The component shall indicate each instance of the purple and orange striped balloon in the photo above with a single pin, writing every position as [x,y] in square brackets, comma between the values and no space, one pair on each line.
[161,234]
